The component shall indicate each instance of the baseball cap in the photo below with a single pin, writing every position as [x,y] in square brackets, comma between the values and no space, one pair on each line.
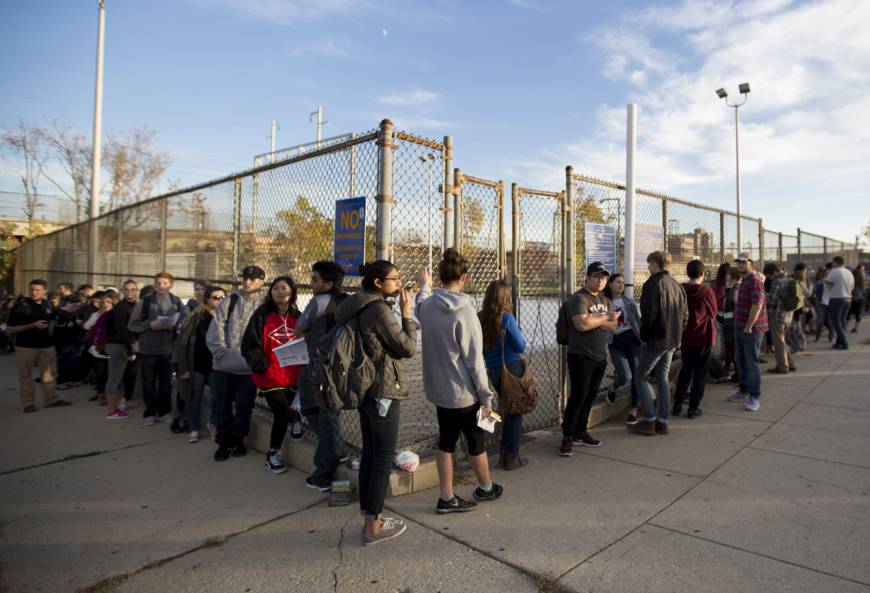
[253,272]
[743,256]
[597,267]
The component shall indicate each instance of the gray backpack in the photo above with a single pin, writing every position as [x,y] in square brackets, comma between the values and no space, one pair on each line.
[341,370]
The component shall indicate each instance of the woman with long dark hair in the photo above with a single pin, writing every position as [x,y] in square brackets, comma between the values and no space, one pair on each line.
[273,324]
[857,296]
[624,346]
[821,304]
[387,343]
[501,334]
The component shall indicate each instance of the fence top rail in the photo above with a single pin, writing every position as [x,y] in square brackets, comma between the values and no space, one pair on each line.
[480,181]
[227,178]
[419,140]
[521,191]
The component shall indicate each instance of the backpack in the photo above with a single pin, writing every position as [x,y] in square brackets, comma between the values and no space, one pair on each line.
[790,301]
[234,300]
[563,324]
[341,370]
[146,305]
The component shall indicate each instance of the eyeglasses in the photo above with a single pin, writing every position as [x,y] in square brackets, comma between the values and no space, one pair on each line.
[216,298]
[396,278]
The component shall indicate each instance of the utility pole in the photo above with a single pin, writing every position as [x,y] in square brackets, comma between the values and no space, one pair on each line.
[97,145]
[320,123]
[274,137]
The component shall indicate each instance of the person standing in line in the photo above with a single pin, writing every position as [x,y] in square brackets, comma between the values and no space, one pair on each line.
[199,288]
[234,390]
[698,340]
[30,323]
[67,335]
[122,358]
[857,296]
[387,343]
[98,337]
[65,290]
[455,379]
[797,338]
[750,325]
[272,325]
[820,300]
[840,283]
[98,360]
[502,335]
[592,322]
[153,319]
[664,313]
[194,358]
[624,344]
[316,321]
[779,316]
[726,319]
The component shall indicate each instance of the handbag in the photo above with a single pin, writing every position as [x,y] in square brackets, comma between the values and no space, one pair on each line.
[519,395]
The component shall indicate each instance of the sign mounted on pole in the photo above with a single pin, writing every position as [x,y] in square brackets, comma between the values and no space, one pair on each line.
[350,235]
[600,244]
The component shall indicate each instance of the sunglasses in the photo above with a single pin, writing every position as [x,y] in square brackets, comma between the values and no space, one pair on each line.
[216,298]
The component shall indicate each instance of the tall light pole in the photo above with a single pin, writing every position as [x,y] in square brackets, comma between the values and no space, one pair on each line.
[723,94]
[273,138]
[93,238]
[319,119]
[429,158]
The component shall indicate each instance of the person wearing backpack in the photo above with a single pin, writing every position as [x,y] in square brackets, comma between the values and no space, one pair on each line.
[272,325]
[386,343]
[455,378]
[154,318]
[234,390]
[781,303]
[316,321]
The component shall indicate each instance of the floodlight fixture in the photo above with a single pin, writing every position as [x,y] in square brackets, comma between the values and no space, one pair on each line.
[744,87]
[722,93]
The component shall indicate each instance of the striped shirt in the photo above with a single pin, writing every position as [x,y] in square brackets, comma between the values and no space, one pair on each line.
[751,293]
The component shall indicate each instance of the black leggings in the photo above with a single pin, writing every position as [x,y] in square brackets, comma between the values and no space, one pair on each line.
[379,435]
[585,375]
[279,402]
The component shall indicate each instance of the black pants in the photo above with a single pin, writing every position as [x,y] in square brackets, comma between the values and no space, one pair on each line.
[379,435]
[585,375]
[279,402]
[693,369]
[156,384]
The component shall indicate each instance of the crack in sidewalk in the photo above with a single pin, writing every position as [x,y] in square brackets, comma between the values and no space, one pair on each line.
[77,456]
[340,556]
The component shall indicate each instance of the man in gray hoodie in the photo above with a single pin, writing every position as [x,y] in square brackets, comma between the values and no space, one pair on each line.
[231,377]
[454,377]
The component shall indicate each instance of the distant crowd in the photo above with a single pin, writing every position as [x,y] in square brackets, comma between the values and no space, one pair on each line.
[232,347]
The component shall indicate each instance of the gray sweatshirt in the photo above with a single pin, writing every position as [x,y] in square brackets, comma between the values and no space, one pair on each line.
[225,346]
[153,341]
[454,372]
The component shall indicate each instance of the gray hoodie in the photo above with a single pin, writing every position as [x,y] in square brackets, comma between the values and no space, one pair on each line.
[454,372]
[225,346]
[155,341]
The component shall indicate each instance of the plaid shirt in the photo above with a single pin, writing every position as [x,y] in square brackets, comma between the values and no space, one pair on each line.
[778,288]
[751,293]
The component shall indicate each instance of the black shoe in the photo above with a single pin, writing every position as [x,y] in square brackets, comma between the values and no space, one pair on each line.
[455,505]
[587,441]
[482,495]
[631,419]
[566,449]
[222,454]
[177,426]
[240,450]
[610,396]
[677,408]
[320,487]
[693,413]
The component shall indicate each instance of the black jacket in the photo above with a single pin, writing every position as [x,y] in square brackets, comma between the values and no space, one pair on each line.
[664,312]
[252,339]
[118,332]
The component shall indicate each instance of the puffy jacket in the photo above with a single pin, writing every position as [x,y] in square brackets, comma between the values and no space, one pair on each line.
[387,342]
[664,312]
[267,330]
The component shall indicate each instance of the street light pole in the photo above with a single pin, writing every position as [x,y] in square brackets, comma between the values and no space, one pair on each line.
[723,94]
[96,164]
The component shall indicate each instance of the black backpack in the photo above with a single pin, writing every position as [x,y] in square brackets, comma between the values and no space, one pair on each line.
[789,299]
[563,324]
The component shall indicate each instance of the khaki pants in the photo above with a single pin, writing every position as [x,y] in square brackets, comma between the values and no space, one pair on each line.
[28,359]
[780,348]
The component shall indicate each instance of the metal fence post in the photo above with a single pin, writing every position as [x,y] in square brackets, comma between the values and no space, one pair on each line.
[799,241]
[721,237]
[384,240]
[515,248]
[237,228]
[353,167]
[457,209]
[760,243]
[255,197]
[447,188]
[825,246]
[570,273]
[164,210]
[779,250]
[502,248]
[119,266]
[665,222]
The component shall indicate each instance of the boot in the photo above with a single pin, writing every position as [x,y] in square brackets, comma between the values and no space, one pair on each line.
[514,461]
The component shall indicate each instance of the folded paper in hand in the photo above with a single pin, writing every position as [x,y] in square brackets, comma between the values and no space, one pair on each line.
[487,423]
[294,352]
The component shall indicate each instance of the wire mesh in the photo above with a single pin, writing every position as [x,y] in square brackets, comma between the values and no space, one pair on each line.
[481,217]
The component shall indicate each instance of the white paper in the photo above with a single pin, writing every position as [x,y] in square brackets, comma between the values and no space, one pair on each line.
[487,423]
[294,352]
[166,322]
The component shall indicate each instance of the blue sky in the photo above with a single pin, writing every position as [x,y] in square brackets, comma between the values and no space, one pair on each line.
[525,87]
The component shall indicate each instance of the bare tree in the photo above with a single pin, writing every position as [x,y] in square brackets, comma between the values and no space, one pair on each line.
[74,153]
[135,167]
[29,146]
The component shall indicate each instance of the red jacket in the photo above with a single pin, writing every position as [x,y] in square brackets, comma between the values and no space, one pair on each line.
[258,345]
[700,331]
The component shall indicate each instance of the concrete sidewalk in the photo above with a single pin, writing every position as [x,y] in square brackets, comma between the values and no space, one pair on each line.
[732,501]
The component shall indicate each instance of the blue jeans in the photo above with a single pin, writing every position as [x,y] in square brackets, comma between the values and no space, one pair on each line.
[624,352]
[194,404]
[748,349]
[838,309]
[66,362]
[326,424]
[660,360]
[233,422]
[156,384]
[512,426]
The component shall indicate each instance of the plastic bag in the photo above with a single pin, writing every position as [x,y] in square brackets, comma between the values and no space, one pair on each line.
[407,460]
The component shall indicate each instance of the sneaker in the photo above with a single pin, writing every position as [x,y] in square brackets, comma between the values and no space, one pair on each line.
[391,528]
[693,413]
[631,419]
[117,414]
[240,450]
[222,453]
[644,427]
[177,426]
[193,437]
[167,418]
[313,485]
[274,462]
[660,427]
[737,396]
[778,371]
[566,449]
[149,421]
[58,403]
[610,396]
[587,440]
[483,496]
[296,432]
[752,404]
[29,409]
[454,505]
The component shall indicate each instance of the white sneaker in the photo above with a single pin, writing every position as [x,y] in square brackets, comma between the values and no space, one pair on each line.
[296,431]
[167,418]
[193,437]
[737,396]
[149,421]
[752,404]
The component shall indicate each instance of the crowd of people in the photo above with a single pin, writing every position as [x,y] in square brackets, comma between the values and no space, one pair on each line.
[223,343]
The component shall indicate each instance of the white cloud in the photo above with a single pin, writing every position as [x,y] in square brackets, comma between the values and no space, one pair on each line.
[412,98]
[285,11]
[330,48]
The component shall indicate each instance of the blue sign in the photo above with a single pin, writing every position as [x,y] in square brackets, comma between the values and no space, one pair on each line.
[600,245]
[350,235]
